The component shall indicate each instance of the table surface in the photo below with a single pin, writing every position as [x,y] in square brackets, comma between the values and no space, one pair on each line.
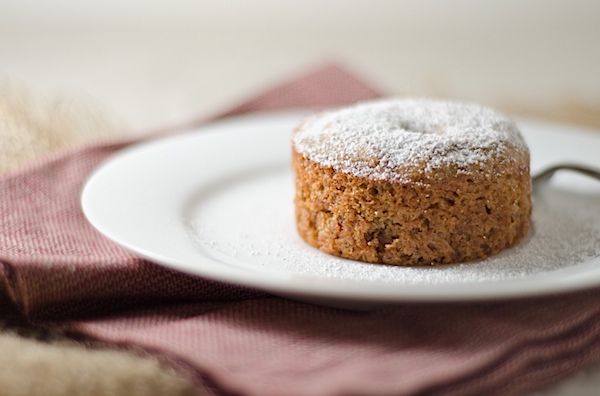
[156,63]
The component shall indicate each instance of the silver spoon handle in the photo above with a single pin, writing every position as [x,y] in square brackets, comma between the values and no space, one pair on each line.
[547,173]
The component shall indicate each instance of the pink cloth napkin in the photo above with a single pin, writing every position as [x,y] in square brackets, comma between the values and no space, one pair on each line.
[233,340]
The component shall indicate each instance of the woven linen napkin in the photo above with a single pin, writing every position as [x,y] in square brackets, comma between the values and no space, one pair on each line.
[233,340]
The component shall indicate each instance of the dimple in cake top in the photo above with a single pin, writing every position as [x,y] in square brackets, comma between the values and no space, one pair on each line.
[381,139]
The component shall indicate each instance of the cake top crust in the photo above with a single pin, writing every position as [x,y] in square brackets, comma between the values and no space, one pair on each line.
[411,140]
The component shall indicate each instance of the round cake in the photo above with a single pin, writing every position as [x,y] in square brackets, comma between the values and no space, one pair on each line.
[411,182]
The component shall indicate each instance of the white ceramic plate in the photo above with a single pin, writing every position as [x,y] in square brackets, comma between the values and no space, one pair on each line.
[217,202]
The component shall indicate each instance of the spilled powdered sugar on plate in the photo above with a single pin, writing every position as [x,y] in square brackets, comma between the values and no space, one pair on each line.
[249,223]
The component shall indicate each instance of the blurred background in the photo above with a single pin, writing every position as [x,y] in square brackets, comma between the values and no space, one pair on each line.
[154,63]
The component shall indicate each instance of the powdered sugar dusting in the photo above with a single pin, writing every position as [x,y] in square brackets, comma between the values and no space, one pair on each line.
[380,139]
[257,233]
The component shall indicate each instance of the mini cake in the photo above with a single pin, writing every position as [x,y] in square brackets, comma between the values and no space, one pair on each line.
[411,182]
